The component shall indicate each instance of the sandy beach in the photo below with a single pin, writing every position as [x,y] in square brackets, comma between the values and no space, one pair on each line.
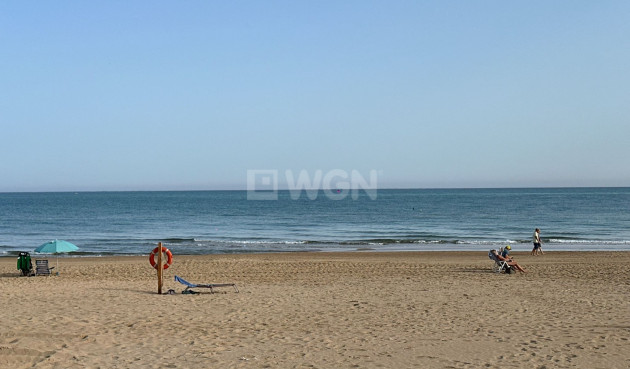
[321,310]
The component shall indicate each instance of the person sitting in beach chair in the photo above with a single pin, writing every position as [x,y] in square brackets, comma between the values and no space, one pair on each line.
[210,286]
[24,264]
[499,265]
[506,259]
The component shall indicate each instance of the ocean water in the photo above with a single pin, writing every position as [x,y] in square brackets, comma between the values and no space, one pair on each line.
[207,222]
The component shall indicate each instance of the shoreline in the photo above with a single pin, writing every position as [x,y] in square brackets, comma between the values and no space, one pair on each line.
[334,309]
[14,254]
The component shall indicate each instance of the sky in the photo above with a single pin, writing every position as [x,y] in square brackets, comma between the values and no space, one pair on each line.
[194,95]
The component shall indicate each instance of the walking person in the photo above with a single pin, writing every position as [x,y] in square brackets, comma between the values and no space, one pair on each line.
[537,243]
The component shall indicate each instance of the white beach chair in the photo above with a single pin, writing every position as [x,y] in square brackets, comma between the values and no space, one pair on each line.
[499,265]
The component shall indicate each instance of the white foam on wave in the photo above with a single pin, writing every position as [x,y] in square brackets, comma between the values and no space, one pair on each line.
[596,242]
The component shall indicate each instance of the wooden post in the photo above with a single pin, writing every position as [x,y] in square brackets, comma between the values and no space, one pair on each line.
[160,266]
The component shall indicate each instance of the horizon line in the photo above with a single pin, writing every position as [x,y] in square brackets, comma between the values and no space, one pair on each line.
[317,189]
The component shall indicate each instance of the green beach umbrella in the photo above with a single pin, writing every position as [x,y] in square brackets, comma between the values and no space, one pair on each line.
[56,247]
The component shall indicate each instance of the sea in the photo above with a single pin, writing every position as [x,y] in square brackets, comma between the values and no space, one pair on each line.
[227,222]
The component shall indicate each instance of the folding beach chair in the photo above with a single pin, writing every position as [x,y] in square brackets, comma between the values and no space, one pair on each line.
[499,265]
[24,264]
[41,267]
[210,286]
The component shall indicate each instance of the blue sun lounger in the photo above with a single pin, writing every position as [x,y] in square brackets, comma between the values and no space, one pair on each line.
[210,286]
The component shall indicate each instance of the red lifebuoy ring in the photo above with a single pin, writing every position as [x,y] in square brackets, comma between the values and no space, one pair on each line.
[169,257]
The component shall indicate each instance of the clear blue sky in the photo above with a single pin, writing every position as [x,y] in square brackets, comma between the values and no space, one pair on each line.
[135,95]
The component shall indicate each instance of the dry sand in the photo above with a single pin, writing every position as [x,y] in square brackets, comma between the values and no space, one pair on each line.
[322,310]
